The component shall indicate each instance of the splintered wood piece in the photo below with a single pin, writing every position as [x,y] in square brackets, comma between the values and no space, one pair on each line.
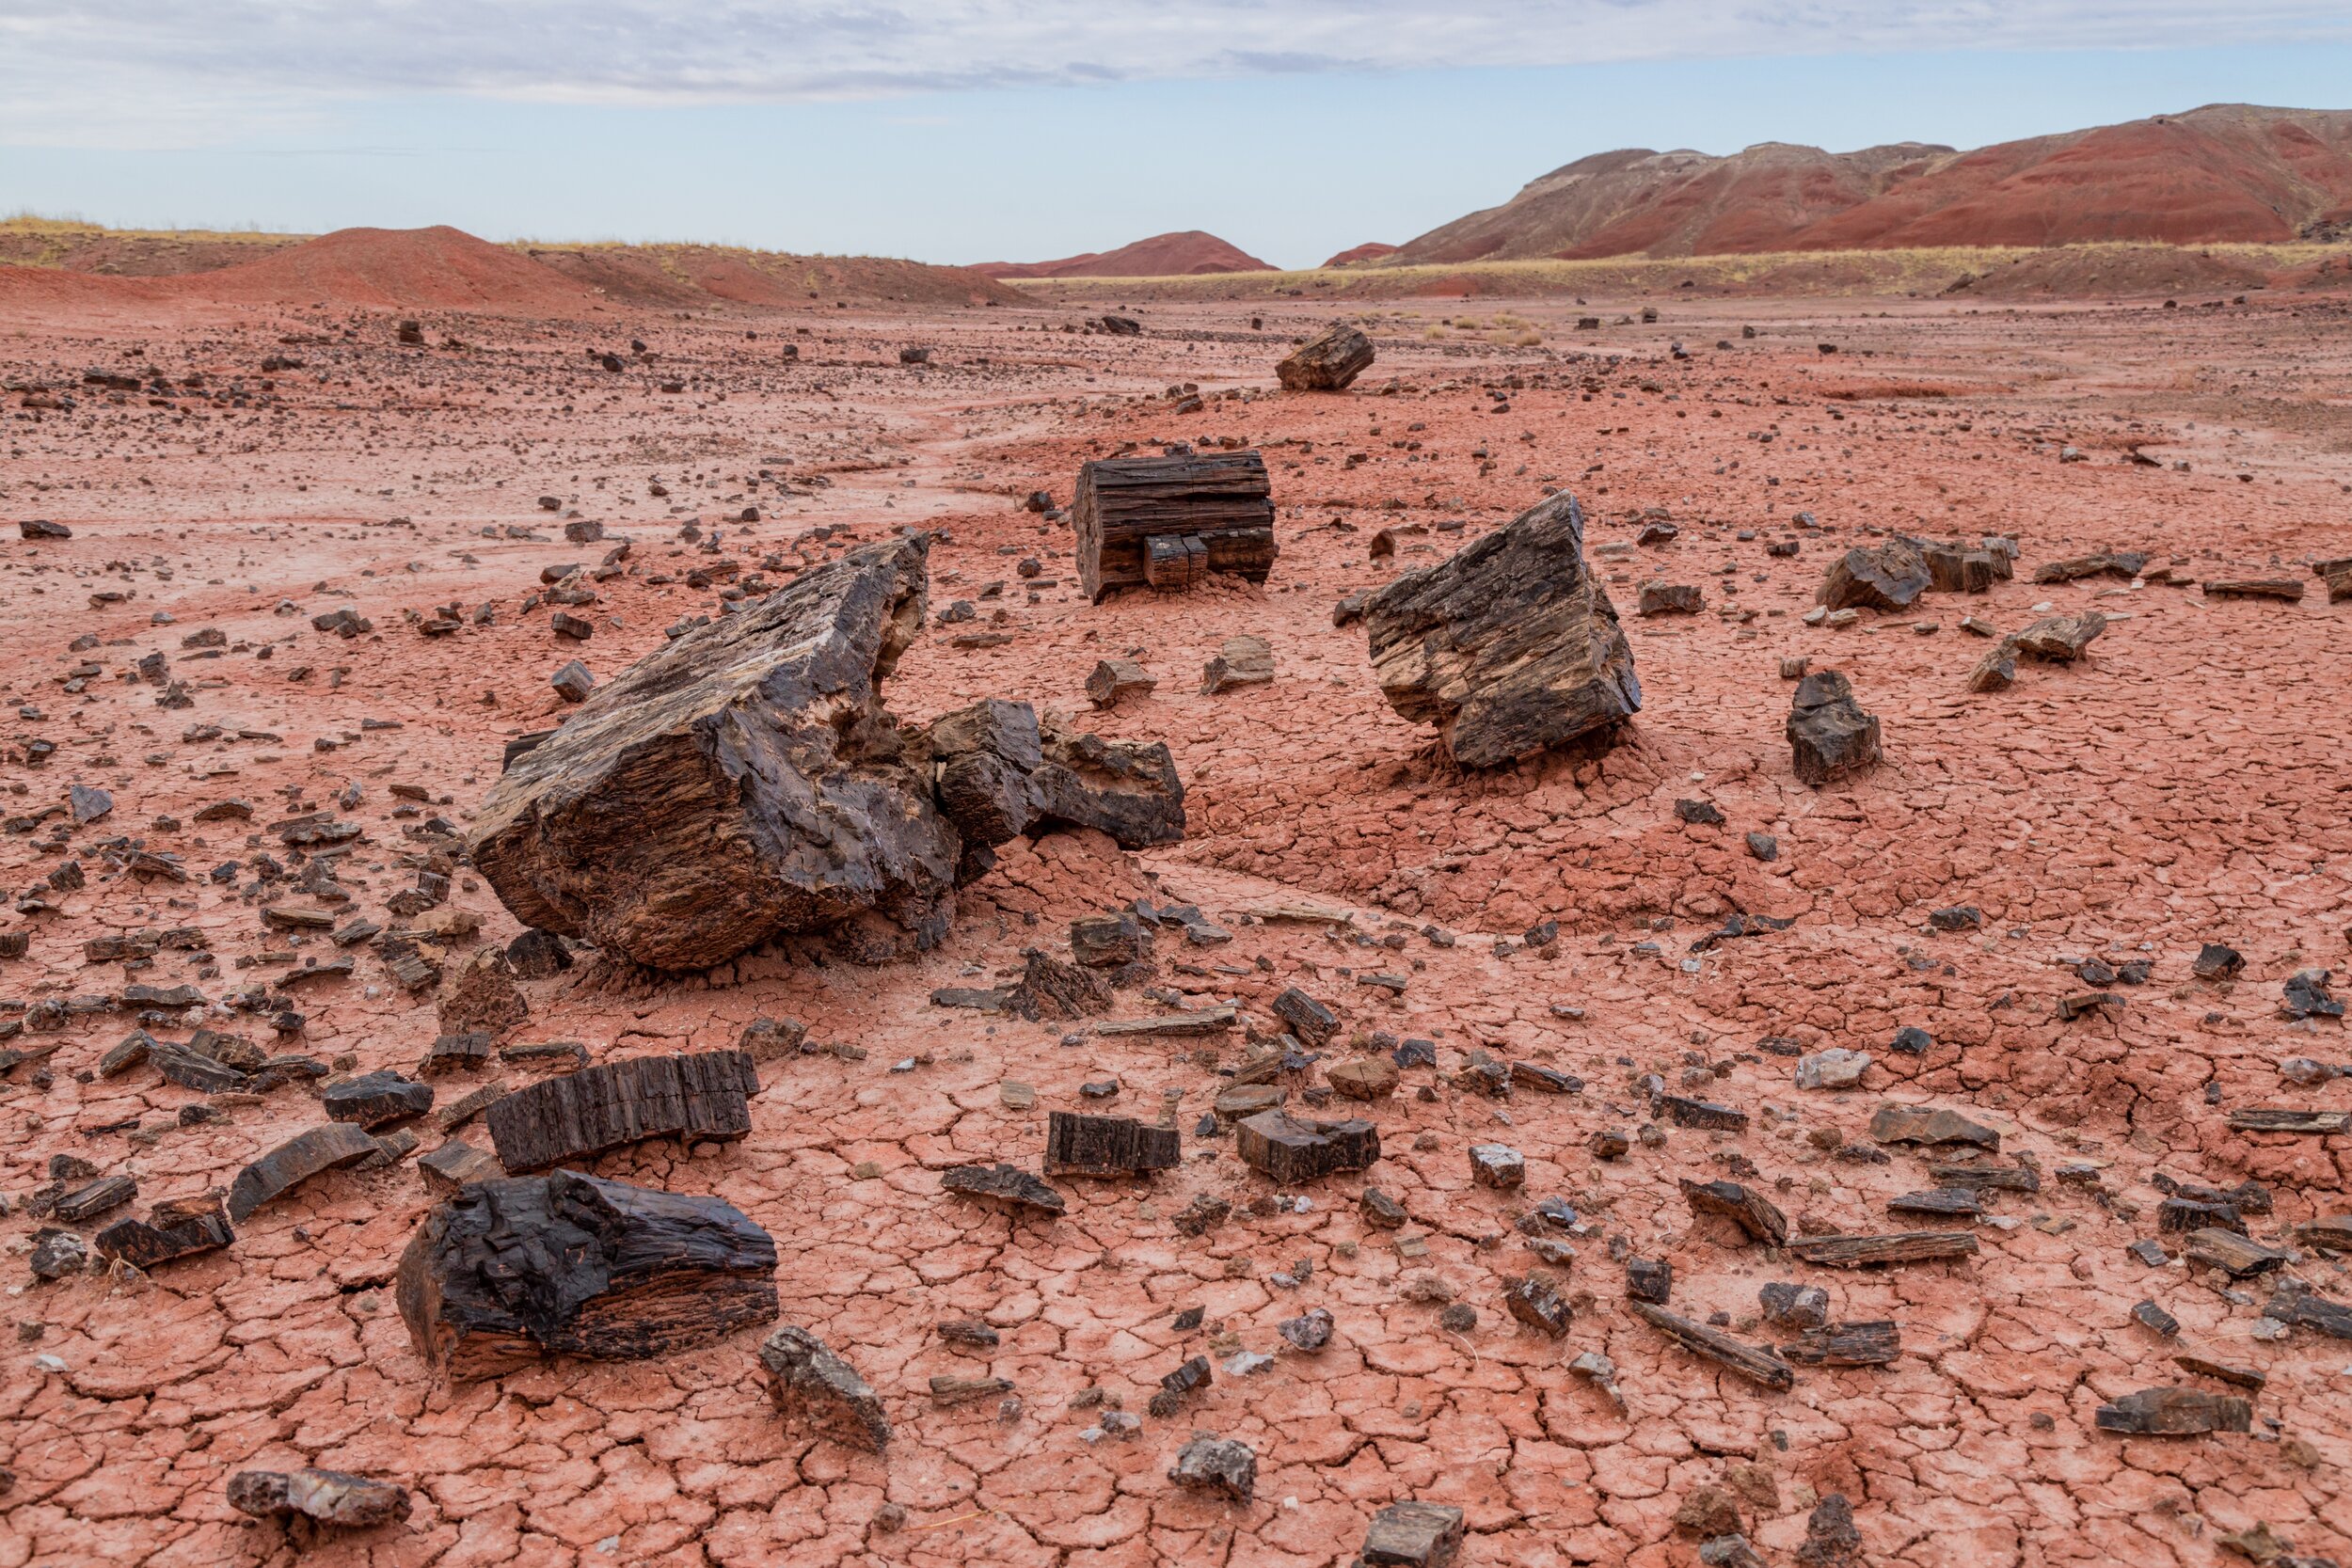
[1750,1211]
[1943,1201]
[176,1228]
[819,1388]
[1077,1145]
[1412,1535]
[514,1270]
[1222,499]
[294,1162]
[1756,1366]
[1868,1344]
[2235,1255]
[2015,1179]
[456,1164]
[1915,1124]
[93,1198]
[1704,1113]
[1007,1184]
[2201,1365]
[2251,1119]
[2333,1233]
[2301,1308]
[1290,1151]
[947,1389]
[2175,1413]
[578,1117]
[1202,1021]
[1902,1247]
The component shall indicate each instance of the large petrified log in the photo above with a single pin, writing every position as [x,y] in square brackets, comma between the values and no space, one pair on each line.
[583,1114]
[741,783]
[1167,522]
[1509,646]
[564,1264]
[1328,361]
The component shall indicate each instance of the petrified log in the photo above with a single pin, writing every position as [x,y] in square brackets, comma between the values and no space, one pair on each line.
[2175,1413]
[2254,1119]
[810,1383]
[1125,788]
[1831,735]
[2235,1255]
[1901,1247]
[176,1228]
[1749,1361]
[1887,578]
[294,1162]
[583,1114]
[372,1099]
[1077,1145]
[1007,1185]
[1750,1211]
[2059,639]
[740,783]
[1915,1124]
[2285,589]
[1219,500]
[1868,1344]
[1509,646]
[1958,569]
[1328,361]
[510,1270]
[1290,1151]
[330,1497]
[1412,1535]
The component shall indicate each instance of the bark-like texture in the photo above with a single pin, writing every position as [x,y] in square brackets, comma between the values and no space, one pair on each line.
[1328,361]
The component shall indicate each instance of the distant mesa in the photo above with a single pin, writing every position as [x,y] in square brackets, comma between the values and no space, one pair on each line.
[2224,173]
[1188,254]
[1372,250]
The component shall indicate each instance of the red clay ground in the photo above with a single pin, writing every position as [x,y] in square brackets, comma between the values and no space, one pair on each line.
[2186,784]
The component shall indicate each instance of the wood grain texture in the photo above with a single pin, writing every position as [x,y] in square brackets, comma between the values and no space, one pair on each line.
[577,1117]
[1222,499]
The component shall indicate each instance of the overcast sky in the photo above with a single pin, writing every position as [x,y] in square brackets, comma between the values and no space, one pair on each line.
[967,130]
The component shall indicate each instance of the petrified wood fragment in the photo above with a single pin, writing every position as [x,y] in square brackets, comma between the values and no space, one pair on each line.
[811,1384]
[983,756]
[2059,639]
[1223,501]
[1750,1210]
[1077,1145]
[583,1114]
[1917,1124]
[949,1389]
[1901,1247]
[1309,1019]
[2284,589]
[2293,1306]
[1126,788]
[2175,1413]
[1944,1201]
[1224,1465]
[510,1270]
[176,1228]
[1750,1362]
[1052,989]
[1866,1344]
[1535,1302]
[1290,1151]
[482,997]
[1328,361]
[2233,1253]
[374,1099]
[1007,1185]
[1829,735]
[740,783]
[322,1149]
[1413,1535]
[1703,1114]
[1510,647]
[92,1198]
[2252,1119]
[330,1497]
[1113,679]
[456,1164]
[1887,578]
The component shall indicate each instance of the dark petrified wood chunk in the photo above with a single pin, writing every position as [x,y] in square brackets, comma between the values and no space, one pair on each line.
[460,1053]
[374,1099]
[2232,1253]
[322,1149]
[983,758]
[1535,1302]
[1829,733]
[2285,589]
[176,1228]
[2330,1233]
[456,1164]
[2015,1179]
[1650,1279]
[2059,639]
[2252,1119]
[1007,1184]
[1947,1201]
[1309,1019]
[815,1388]
[740,783]
[1917,1124]
[1866,1344]
[2183,1214]
[1077,1145]
[1509,646]
[93,1198]
[330,1497]
[1193,1374]
[1126,788]
[1290,1150]
[1223,1465]
[1108,940]
[2216,961]
[1413,1535]
[1750,1211]
[1051,989]
[1328,361]
[1887,578]
[1703,1114]
[1796,1306]
[1222,498]
[949,1389]
[582,1114]
[1902,1247]
[565,1264]
[2240,1377]
[2301,1308]
[2175,1413]
[1749,1361]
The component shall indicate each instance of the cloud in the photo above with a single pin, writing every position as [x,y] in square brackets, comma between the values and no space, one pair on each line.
[158,72]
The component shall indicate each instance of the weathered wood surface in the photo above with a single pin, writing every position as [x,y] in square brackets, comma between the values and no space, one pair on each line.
[2233,1253]
[1750,1211]
[511,1271]
[1830,737]
[738,784]
[2175,1413]
[1918,1124]
[1901,1247]
[176,1228]
[1754,1364]
[1223,500]
[2254,1119]
[1509,646]
[294,1162]
[811,1384]
[456,1164]
[1078,1145]
[1290,1151]
[1126,788]
[374,1099]
[1326,362]
[580,1116]
[1876,1343]
[1009,1185]
[1888,577]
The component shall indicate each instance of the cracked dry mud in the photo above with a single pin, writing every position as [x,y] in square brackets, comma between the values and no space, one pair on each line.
[2185,782]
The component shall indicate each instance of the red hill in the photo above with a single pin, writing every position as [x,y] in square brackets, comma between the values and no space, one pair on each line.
[1182,255]
[1371,250]
[2226,172]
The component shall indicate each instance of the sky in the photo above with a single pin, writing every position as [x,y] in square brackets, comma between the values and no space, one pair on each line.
[984,130]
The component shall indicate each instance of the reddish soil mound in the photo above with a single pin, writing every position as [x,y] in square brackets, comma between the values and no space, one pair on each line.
[2222,173]
[1371,250]
[695,274]
[395,269]
[1182,255]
